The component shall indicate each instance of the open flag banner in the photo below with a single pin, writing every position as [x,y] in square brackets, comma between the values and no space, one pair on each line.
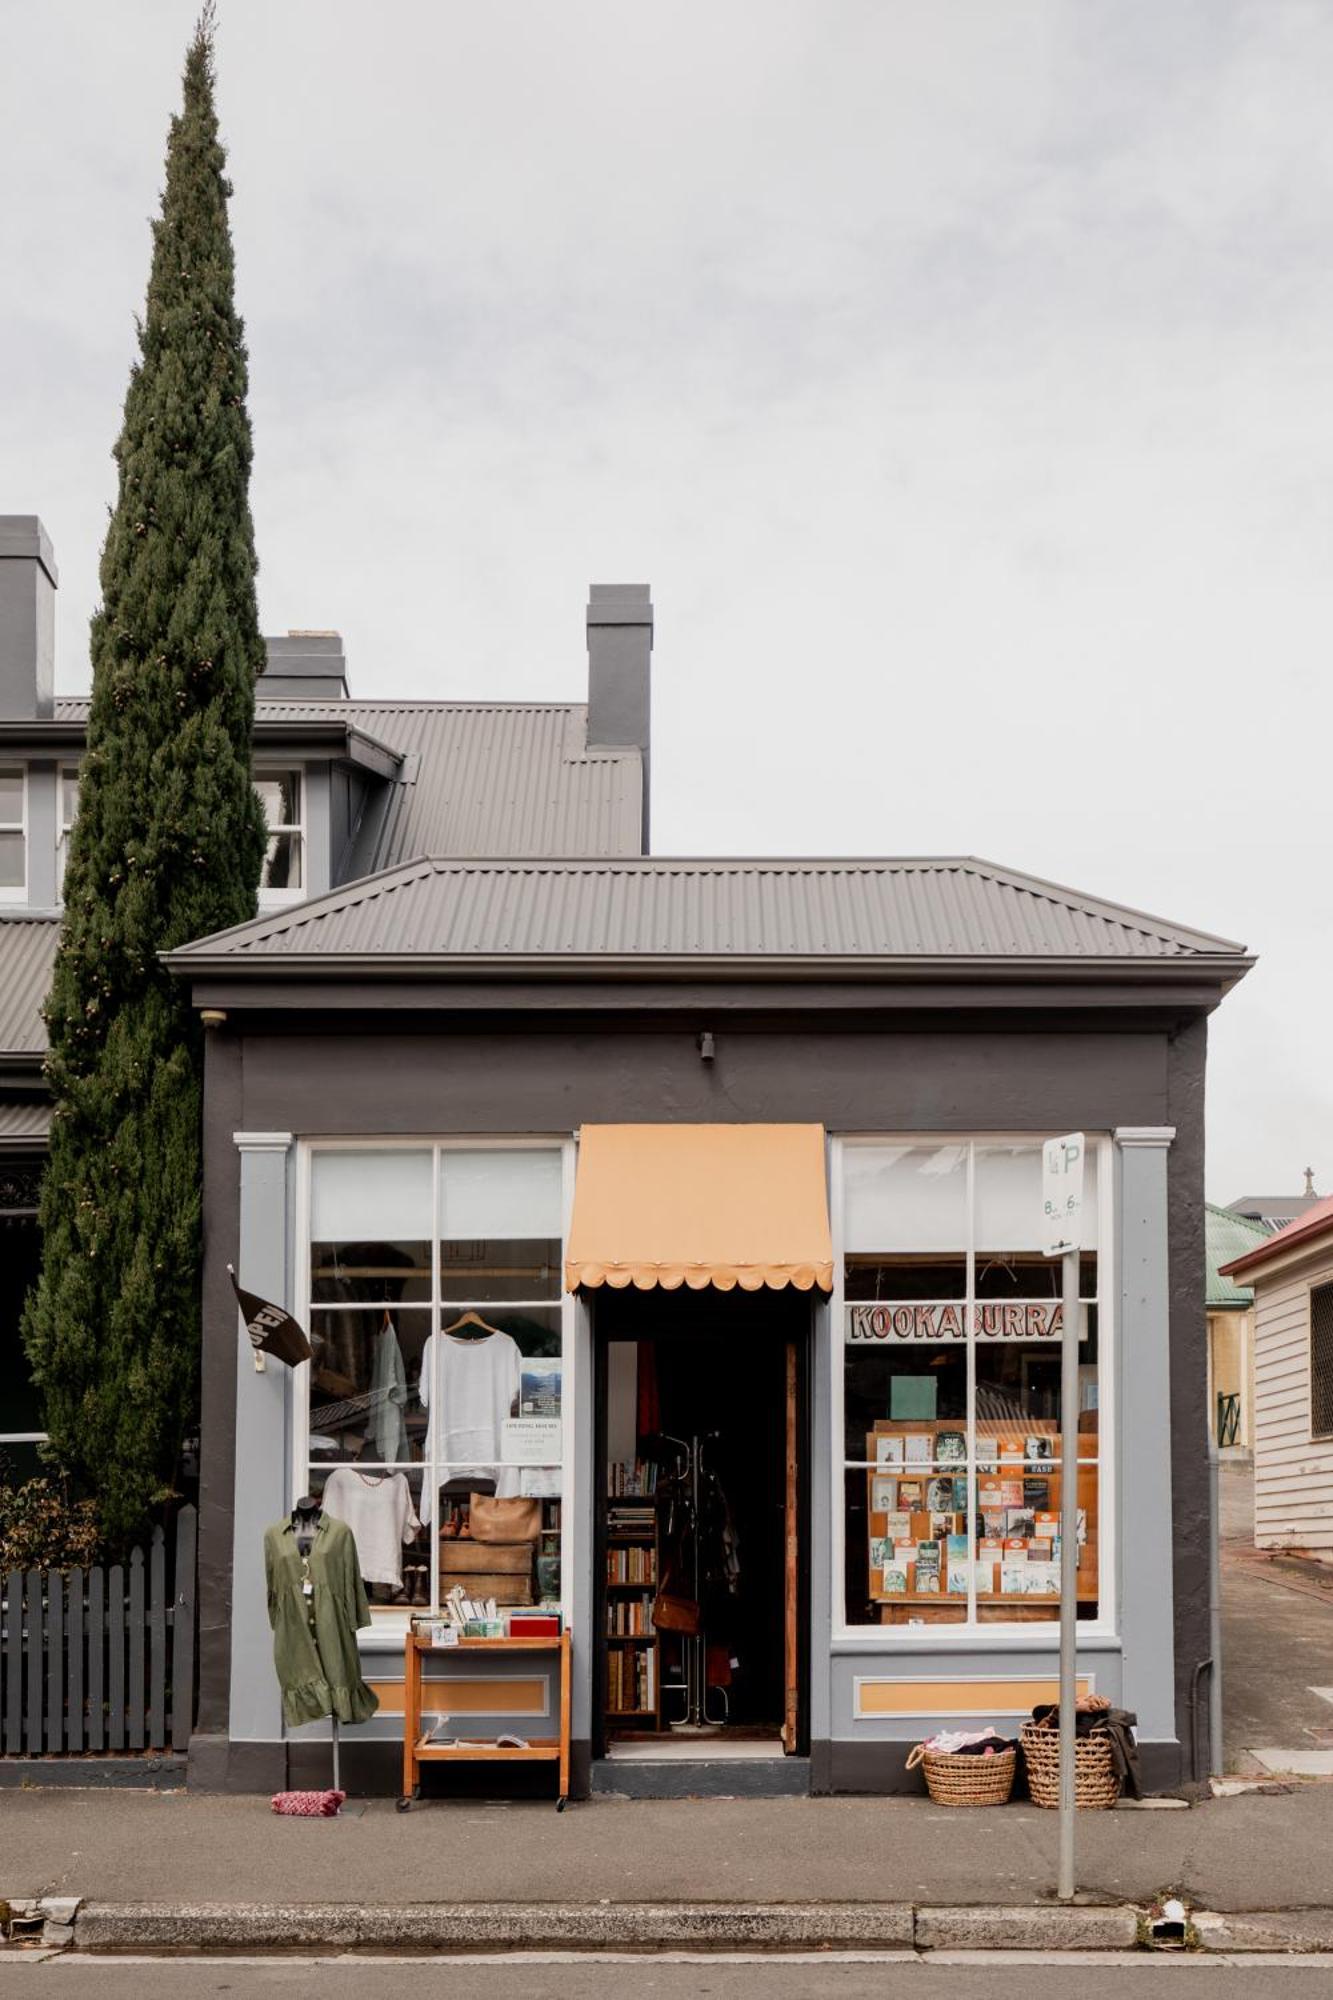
[271,1330]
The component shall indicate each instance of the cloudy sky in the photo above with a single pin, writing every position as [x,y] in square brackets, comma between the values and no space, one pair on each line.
[957,373]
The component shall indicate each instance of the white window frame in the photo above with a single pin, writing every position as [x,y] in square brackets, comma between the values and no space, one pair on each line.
[63,832]
[19,894]
[391,1622]
[1101,1632]
[278,899]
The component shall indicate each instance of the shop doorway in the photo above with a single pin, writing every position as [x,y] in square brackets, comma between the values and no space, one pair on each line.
[701,1559]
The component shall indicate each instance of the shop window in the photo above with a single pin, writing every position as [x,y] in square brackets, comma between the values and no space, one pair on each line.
[951,1389]
[282,795]
[436,1323]
[13,833]
[1321,1361]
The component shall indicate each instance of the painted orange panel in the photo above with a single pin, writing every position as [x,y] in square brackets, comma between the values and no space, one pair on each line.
[460,1697]
[961,1697]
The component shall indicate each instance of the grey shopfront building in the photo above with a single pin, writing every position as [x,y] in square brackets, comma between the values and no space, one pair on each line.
[408,1080]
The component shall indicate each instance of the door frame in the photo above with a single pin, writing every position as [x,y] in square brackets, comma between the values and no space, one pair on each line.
[798,1333]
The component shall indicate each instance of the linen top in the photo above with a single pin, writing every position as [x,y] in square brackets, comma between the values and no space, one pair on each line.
[314,1638]
[388,1399]
[377,1507]
[478,1388]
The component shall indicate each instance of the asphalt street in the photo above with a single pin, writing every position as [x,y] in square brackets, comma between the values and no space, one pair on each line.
[1005,1977]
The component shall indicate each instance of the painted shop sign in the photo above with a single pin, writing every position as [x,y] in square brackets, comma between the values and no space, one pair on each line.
[948,1319]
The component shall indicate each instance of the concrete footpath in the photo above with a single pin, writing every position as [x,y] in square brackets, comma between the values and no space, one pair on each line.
[146,1870]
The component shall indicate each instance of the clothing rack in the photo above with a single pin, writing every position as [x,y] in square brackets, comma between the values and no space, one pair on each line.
[696,1720]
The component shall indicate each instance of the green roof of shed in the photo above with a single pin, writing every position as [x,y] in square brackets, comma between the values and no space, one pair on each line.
[1228,1235]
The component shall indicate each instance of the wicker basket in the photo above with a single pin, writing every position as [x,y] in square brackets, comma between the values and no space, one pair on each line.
[1096,1780]
[958,1780]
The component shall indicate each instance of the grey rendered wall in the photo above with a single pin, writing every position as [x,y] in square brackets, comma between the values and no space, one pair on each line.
[486,1076]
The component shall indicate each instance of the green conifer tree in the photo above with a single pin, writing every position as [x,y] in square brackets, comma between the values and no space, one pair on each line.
[167,846]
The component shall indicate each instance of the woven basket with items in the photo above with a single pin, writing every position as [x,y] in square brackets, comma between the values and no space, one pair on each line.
[1096,1776]
[980,1775]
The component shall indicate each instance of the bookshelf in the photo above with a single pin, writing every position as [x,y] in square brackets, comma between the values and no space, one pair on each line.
[631,1647]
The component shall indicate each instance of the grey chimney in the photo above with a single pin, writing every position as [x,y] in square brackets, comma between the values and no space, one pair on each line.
[27,619]
[304,666]
[620,649]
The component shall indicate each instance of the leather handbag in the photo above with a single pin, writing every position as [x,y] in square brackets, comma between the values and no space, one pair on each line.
[674,1610]
[492,1519]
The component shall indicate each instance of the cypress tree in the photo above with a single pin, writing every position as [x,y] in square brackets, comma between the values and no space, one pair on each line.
[168,845]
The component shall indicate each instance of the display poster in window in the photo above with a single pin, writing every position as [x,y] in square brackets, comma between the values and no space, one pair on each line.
[531,1441]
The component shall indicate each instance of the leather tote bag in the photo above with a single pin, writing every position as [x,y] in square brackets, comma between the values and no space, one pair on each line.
[494,1520]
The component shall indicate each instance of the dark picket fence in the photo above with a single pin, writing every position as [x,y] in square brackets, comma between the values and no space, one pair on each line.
[101,1660]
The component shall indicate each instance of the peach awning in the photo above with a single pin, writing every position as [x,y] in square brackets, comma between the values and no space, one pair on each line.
[697,1205]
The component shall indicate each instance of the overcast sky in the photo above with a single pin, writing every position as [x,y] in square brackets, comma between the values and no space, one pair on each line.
[957,372]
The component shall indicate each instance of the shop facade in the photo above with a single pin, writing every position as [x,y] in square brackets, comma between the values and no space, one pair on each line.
[688,1150]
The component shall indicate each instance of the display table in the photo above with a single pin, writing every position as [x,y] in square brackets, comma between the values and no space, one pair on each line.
[419,1750]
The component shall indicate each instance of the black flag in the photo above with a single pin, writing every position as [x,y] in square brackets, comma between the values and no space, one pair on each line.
[271,1330]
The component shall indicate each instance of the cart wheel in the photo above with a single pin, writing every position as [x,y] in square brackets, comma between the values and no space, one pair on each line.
[404,1805]
[560,1804]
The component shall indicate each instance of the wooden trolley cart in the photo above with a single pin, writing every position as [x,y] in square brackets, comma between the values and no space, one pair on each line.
[418,1750]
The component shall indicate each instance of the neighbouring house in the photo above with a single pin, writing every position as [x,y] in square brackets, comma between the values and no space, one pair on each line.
[1230,1329]
[695,1206]
[1291,1276]
[1275,1211]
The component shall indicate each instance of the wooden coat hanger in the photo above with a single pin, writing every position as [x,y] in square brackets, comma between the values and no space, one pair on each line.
[470,1319]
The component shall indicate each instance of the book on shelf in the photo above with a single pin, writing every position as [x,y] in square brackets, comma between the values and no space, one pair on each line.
[893,1579]
[634,1477]
[888,1451]
[635,1563]
[939,1496]
[951,1447]
[919,1448]
[631,1679]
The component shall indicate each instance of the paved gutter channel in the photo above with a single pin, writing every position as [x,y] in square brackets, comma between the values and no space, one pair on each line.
[53,1925]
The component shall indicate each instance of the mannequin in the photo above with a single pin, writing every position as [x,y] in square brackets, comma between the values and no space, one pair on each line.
[317,1603]
[306,1517]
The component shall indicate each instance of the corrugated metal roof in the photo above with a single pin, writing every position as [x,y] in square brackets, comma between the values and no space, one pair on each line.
[23,1121]
[1226,1236]
[1305,1230]
[27,954]
[483,778]
[731,910]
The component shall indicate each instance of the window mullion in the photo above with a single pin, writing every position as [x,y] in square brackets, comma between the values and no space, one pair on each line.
[971,1352]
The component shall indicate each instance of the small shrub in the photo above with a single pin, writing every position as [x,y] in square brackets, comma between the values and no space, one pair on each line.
[42,1528]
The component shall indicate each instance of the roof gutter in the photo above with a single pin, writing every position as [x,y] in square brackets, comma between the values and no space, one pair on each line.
[1210,970]
[331,737]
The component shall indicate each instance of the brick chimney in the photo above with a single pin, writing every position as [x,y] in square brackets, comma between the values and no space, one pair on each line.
[27,619]
[620,649]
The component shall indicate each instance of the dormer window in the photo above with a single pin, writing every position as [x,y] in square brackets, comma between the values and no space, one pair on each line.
[69,809]
[282,795]
[13,833]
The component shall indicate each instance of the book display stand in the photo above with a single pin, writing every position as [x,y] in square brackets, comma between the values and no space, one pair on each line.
[423,1748]
[919,1548]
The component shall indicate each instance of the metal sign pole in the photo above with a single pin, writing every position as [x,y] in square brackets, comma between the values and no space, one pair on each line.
[1062,1163]
[1068,1568]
